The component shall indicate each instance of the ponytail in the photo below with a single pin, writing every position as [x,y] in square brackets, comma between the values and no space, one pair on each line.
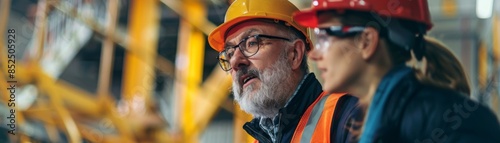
[441,68]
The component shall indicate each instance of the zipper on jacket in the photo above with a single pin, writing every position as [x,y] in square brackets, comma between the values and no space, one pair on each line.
[256,134]
[280,130]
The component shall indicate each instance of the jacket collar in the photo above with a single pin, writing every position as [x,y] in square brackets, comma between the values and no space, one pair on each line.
[306,92]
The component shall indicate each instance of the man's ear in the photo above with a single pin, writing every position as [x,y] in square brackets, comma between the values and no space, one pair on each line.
[368,42]
[296,54]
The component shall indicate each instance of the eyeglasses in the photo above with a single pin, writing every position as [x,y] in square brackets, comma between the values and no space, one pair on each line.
[249,46]
[322,34]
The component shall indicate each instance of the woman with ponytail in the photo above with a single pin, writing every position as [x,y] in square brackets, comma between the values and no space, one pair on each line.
[362,49]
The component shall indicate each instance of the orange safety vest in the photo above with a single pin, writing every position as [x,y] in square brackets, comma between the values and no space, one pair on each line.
[314,126]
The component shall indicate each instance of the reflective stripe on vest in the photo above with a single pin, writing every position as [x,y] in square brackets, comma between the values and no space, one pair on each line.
[315,124]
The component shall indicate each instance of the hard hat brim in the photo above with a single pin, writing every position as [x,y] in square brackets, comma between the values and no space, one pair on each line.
[220,32]
[307,18]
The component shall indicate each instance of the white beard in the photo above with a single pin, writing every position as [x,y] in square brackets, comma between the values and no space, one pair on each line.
[273,93]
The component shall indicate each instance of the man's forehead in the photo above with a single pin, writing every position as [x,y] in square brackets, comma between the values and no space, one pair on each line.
[239,34]
[243,29]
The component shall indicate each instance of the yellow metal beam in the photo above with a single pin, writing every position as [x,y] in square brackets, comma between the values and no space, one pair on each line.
[139,61]
[139,70]
[189,68]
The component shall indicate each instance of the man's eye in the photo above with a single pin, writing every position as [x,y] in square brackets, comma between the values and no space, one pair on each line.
[252,43]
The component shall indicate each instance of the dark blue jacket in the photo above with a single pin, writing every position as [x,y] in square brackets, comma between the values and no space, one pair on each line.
[419,113]
[288,118]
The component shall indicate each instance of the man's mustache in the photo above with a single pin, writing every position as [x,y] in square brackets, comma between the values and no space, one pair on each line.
[246,71]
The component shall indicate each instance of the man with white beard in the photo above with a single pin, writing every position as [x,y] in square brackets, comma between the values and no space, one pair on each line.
[265,52]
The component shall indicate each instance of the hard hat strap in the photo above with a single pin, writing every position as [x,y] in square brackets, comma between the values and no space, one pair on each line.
[419,48]
[407,39]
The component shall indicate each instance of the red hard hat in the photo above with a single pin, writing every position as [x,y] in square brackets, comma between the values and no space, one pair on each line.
[413,10]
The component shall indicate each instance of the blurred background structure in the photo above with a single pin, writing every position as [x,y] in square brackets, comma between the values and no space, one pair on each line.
[142,71]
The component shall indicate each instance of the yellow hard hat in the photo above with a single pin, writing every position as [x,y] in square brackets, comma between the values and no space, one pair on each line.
[242,10]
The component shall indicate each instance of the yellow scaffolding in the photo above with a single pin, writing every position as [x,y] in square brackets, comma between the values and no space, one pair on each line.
[69,103]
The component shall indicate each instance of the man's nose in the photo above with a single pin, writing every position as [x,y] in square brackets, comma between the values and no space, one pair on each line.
[238,60]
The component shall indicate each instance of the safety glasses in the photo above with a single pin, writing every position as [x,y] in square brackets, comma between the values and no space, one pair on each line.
[323,34]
